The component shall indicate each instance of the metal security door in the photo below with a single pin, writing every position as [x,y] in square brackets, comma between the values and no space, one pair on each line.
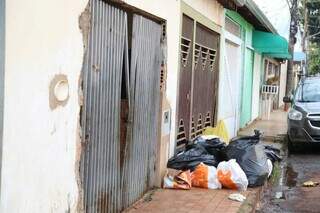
[205,76]
[186,55]
[100,164]
[140,153]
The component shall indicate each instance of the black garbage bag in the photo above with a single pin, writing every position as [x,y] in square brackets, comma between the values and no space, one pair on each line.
[272,153]
[213,146]
[191,158]
[251,157]
[250,140]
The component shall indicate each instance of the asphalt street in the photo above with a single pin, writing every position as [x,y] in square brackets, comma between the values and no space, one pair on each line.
[289,194]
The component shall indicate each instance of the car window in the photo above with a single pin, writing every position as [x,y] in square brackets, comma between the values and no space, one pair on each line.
[308,92]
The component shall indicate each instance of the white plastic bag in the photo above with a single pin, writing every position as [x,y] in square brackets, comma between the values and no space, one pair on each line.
[231,175]
[205,177]
[237,197]
[270,167]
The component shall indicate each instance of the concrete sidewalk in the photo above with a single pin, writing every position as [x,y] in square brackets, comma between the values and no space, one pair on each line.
[276,126]
[194,201]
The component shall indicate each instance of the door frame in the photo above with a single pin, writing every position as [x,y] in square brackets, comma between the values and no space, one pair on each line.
[233,39]
[198,18]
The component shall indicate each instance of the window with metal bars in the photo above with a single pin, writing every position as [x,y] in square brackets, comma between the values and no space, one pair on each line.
[204,56]
[197,52]
[185,50]
[212,58]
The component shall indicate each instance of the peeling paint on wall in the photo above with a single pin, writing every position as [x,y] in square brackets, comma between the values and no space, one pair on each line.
[84,25]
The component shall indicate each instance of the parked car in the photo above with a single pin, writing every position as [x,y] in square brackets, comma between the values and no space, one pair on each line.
[304,114]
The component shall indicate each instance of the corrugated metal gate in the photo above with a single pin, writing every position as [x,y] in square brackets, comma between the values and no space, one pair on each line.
[140,157]
[102,90]
[108,186]
[198,79]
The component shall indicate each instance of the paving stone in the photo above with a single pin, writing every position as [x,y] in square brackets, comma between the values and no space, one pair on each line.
[192,201]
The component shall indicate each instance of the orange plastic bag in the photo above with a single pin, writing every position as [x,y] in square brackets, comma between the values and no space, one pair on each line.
[226,180]
[231,176]
[181,180]
[205,177]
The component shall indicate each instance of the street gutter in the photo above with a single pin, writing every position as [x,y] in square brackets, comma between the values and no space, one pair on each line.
[250,204]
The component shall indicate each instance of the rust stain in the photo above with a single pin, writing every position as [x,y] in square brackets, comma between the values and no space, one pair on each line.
[123,129]
[102,202]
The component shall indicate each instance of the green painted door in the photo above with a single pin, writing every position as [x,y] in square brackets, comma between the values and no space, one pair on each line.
[246,102]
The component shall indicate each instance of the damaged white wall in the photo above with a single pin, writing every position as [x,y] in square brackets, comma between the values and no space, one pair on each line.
[43,39]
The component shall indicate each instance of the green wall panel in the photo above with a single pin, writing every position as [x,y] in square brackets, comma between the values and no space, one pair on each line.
[246,100]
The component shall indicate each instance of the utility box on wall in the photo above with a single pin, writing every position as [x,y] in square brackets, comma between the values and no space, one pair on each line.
[166,122]
[163,154]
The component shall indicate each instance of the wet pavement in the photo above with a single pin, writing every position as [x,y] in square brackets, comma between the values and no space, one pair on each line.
[287,194]
[276,125]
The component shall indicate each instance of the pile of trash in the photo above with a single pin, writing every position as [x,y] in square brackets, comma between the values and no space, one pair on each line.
[208,162]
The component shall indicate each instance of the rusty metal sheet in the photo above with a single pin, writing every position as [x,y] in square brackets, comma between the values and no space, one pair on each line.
[117,169]
[100,164]
[140,154]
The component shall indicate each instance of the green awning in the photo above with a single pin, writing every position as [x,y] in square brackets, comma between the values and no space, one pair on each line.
[270,44]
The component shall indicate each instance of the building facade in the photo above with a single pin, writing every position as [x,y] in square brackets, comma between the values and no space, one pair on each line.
[98,97]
